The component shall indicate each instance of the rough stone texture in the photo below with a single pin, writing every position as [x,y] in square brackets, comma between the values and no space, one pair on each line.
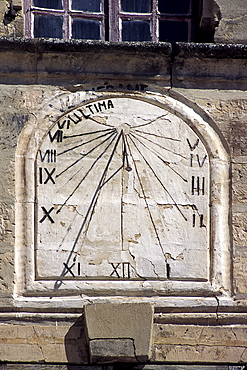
[233,23]
[171,343]
[196,332]
[240,267]
[109,350]
[208,66]
[228,109]
[11,27]
[39,63]
[200,343]
[128,327]
[42,343]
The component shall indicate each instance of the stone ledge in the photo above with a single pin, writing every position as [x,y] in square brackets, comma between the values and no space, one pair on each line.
[60,62]
[203,50]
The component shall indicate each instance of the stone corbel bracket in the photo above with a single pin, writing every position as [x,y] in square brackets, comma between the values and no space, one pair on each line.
[119,332]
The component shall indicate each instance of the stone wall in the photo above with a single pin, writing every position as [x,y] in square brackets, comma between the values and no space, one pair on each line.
[188,328]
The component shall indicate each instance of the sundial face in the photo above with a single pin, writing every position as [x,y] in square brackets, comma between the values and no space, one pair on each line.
[122,193]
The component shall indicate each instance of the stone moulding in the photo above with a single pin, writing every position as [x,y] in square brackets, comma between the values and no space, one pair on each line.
[219,276]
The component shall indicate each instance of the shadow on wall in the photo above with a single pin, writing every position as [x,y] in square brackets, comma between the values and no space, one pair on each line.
[209,20]
[76,346]
[77,352]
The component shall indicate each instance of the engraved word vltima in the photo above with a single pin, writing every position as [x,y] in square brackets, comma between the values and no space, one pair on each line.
[123,188]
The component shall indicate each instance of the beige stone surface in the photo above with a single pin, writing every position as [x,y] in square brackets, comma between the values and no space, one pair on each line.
[31,343]
[202,344]
[209,66]
[233,23]
[228,109]
[50,343]
[240,269]
[170,343]
[42,343]
[115,321]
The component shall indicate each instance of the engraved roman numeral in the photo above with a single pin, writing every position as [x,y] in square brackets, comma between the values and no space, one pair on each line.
[196,158]
[68,269]
[124,268]
[48,175]
[47,215]
[196,218]
[168,270]
[64,124]
[50,155]
[192,146]
[57,136]
[197,185]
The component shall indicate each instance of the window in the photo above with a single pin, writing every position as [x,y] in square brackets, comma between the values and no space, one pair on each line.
[111,20]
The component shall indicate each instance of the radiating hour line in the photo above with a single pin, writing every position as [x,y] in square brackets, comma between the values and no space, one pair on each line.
[109,178]
[86,174]
[84,155]
[87,133]
[84,143]
[96,160]
[132,144]
[145,198]
[161,146]
[155,135]
[149,123]
[95,196]
[157,177]
[89,213]
[158,156]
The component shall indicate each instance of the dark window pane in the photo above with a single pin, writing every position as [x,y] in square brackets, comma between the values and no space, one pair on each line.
[48,26]
[85,29]
[135,31]
[86,5]
[174,6]
[49,4]
[136,6]
[173,31]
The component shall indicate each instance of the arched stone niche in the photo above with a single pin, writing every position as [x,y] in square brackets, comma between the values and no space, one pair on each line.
[122,194]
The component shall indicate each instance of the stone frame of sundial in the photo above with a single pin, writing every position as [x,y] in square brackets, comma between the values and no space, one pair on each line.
[220,248]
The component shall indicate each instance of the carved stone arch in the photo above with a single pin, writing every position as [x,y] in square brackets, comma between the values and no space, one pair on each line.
[180,110]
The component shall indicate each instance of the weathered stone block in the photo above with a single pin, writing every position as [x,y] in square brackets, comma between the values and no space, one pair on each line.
[125,329]
[108,350]
[240,271]
[203,344]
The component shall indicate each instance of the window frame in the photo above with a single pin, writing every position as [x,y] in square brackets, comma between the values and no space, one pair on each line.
[68,15]
[154,17]
[110,18]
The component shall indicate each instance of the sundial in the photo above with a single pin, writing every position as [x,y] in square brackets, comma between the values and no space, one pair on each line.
[122,193]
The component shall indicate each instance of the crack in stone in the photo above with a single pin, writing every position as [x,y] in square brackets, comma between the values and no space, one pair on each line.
[154,268]
[217,310]
[39,345]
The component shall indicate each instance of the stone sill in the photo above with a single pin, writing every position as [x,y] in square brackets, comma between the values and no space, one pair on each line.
[181,49]
[63,45]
